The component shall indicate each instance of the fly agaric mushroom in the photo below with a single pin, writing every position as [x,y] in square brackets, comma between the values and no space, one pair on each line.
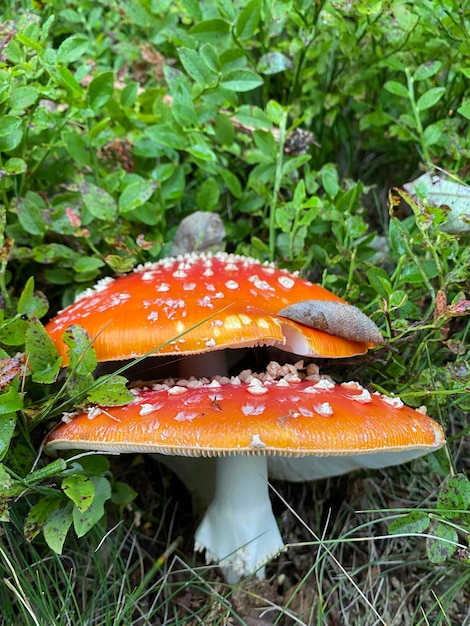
[198,303]
[243,421]
[201,303]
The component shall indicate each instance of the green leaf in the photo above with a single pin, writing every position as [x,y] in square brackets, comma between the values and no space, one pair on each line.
[248,20]
[168,136]
[426,70]
[30,213]
[82,356]
[136,194]
[273,63]
[210,57]
[77,148]
[8,124]
[43,358]
[88,264]
[442,542]
[194,65]
[13,332]
[398,236]
[454,496]
[100,90]
[56,527]
[284,217]
[122,494]
[23,97]
[32,303]
[5,481]
[254,116]
[15,166]
[72,48]
[329,179]
[432,134]
[276,112]
[377,118]
[38,515]
[25,301]
[411,273]
[29,43]
[67,80]
[430,98]
[241,80]
[232,182]
[10,402]
[110,391]
[397,299]
[293,164]
[129,94]
[214,31]
[207,197]
[464,111]
[11,141]
[265,142]
[99,202]
[380,281]
[137,13]
[203,152]
[7,428]
[94,464]
[396,88]
[415,522]
[83,522]
[80,489]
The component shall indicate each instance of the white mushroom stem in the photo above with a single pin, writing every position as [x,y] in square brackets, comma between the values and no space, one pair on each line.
[239,529]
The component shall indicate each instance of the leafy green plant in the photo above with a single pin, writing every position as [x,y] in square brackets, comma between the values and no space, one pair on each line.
[444,526]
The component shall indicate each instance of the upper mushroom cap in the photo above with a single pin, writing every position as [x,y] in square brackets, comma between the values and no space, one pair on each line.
[287,417]
[197,303]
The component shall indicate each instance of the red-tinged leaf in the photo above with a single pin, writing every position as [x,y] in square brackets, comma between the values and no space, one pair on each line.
[9,368]
[462,307]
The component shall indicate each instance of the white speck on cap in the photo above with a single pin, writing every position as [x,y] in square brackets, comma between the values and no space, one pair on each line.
[176,390]
[183,416]
[396,402]
[325,383]
[324,409]
[256,442]
[146,409]
[286,281]
[256,387]
[93,412]
[253,409]
[352,384]
[206,302]
[148,275]
[363,397]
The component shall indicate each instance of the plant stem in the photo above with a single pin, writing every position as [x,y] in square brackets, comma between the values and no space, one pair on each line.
[419,126]
[277,185]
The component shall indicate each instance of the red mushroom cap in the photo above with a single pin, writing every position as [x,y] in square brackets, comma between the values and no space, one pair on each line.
[270,417]
[197,303]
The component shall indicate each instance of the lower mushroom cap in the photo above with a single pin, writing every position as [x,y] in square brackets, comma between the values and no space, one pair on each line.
[277,417]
